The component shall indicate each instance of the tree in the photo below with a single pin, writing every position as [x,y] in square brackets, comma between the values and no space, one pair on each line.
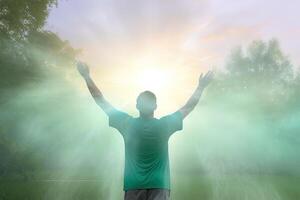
[259,75]
[19,18]
[28,54]
[26,50]
[263,60]
[262,64]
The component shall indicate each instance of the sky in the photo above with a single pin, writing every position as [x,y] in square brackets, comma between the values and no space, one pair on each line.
[206,29]
[172,40]
[163,45]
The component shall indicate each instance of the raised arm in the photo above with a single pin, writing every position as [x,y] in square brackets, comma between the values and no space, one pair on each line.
[194,99]
[95,92]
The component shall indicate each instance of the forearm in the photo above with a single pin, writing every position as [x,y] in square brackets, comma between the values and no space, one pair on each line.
[94,90]
[83,69]
[194,99]
[97,95]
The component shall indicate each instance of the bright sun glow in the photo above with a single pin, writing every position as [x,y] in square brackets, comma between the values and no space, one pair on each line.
[153,74]
[171,83]
[153,79]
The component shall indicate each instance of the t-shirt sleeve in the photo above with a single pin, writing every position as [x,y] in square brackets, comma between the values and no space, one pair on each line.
[119,120]
[172,122]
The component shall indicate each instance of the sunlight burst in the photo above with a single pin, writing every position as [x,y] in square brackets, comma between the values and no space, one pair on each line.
[155,79]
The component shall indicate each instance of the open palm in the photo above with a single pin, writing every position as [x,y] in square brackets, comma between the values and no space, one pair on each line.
[206,79]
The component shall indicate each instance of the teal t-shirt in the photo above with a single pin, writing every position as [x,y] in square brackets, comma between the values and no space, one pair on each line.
[146,148]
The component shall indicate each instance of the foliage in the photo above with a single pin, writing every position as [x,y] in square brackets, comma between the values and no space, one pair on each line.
[262,71]
[28,55]
[258,86]
[19,18]
[263,61]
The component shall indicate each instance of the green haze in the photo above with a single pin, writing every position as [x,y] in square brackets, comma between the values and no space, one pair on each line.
[241,142]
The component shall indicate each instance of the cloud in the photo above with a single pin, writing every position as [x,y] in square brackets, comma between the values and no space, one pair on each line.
[116,29]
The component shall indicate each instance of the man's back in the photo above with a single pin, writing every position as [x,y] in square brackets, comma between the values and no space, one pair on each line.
[146,148]
[146,138]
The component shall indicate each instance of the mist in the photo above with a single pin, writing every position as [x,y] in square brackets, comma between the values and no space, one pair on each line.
[230,146]
[241,141]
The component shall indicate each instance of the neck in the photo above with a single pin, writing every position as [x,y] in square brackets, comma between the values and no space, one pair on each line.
[147,115]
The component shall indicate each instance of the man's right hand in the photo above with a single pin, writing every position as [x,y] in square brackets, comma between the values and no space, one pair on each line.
[83,69]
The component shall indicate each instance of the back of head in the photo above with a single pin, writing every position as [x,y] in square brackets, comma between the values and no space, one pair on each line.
[146,102]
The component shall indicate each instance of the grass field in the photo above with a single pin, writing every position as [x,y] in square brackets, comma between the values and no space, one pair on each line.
[227,187]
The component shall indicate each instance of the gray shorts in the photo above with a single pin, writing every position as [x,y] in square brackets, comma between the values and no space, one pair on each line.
[147,194]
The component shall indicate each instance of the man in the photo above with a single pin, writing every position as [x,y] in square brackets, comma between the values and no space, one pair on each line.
[146,174]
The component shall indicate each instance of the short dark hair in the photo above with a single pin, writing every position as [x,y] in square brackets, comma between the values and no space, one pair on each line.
[147,95]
